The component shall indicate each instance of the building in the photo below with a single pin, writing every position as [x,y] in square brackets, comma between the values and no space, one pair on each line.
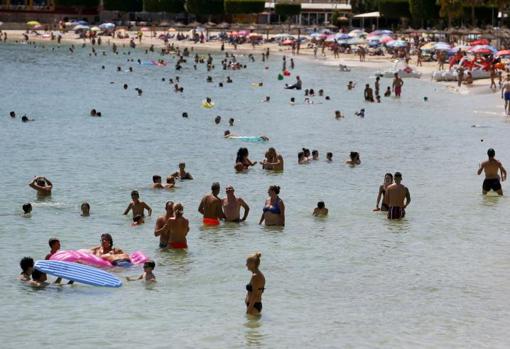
[313,12]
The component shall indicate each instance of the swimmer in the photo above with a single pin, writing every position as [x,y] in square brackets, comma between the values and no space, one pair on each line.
[388,180]
[93,112]
[302,159]
[85,209]
[217,120]
[242,161]
[354,159]
[211,206]
[369,94]
[125,86]
[25,118]
[185,115]
[388,92]
[137,220]
[320,210]
[179,228]
[273,161]
[351,85]
[492,168]
[12,115]
[229,80]
[27,267]
[505,94]
[338,115]
[107,252]
[292,101]
[231,122]
[315,155]
[397,85]
[147,276]
[296,86]
[267,99]
[54,244]
[256,286]
[170,182]
[156,182]
[232,207]
[360,113]
[162,228]
[39,279]
[42,185]
[398,198]
[138,207]
[274,209]
[27,210]
[182,174]
[329,157]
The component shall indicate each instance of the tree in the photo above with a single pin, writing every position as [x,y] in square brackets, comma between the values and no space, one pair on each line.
[204,7]
[472,4]
[171,6]
[422,11]
[395,9]
[236,7]
[79,5]
[451,9]
[123,5]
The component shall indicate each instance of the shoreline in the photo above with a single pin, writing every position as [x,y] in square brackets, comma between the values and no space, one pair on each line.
[380,63]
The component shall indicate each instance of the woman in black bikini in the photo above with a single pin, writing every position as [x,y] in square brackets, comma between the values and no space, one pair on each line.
[256,286]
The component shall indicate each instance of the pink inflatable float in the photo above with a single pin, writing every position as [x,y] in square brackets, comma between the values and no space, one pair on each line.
[87,258]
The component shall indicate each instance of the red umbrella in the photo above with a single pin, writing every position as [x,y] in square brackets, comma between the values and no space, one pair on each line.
[480,42]
[504,53]
[483,51]
[288,42]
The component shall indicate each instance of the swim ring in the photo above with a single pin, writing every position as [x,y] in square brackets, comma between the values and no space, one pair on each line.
[280,77]
[207,105]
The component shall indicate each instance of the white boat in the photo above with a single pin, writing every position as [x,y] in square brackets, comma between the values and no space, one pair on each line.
[452,75]
[403,71]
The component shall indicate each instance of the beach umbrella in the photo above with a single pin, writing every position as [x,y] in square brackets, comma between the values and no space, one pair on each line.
[243,33]
[81,27]
[255,35]
[81,22]
[504,53]
[382,32]
[95,29]
[330,38]
[107,26]
[172,30]
[38,27]
[355,32]
[342,36]
[479,42]
[397,43]
[483,49]
[33,23]
[200,29]
[442,46]
[428,46]
[386,39]
[356,41]
[144,29]
[288,42]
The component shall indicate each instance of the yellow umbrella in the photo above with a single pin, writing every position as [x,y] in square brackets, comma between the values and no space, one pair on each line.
[95,29]
[33,23]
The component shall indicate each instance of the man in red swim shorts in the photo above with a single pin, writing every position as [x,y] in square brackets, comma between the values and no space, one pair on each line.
[179,228]
[398,198]
[211,206]
[397,85]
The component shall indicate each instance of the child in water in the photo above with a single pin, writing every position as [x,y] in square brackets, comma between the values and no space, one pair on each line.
[27,210]
[320,210]
[54,247]
[156,182]
[147,275]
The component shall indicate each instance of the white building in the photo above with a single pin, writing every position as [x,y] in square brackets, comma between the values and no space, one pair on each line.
[313,12]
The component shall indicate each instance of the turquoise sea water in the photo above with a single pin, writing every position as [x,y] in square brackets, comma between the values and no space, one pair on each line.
[439,278]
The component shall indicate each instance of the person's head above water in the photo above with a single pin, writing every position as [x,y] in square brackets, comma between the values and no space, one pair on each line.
[156,179]
[321,204]
[54,243]
[106,241]
[274,190]
[39,276]
[184,115]
[388,178]
[491,153]
[26,264]
[217,120]
[85,209]
[398,177]
[135,195]
[12,114]
[253,261]
[27,208]
[215,188]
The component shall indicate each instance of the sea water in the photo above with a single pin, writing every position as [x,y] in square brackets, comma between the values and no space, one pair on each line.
[438,278]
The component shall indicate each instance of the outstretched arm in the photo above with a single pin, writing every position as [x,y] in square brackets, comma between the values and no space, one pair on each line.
[130,206]
[148,208]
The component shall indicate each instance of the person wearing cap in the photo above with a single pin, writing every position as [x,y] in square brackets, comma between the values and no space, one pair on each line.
[398,198]
[492,168]
[232,207]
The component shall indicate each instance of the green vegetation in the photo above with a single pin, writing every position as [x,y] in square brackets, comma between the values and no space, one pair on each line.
[234,7]
[170,6]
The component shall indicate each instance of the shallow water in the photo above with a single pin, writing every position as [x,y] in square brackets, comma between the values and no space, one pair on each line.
[439,278]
